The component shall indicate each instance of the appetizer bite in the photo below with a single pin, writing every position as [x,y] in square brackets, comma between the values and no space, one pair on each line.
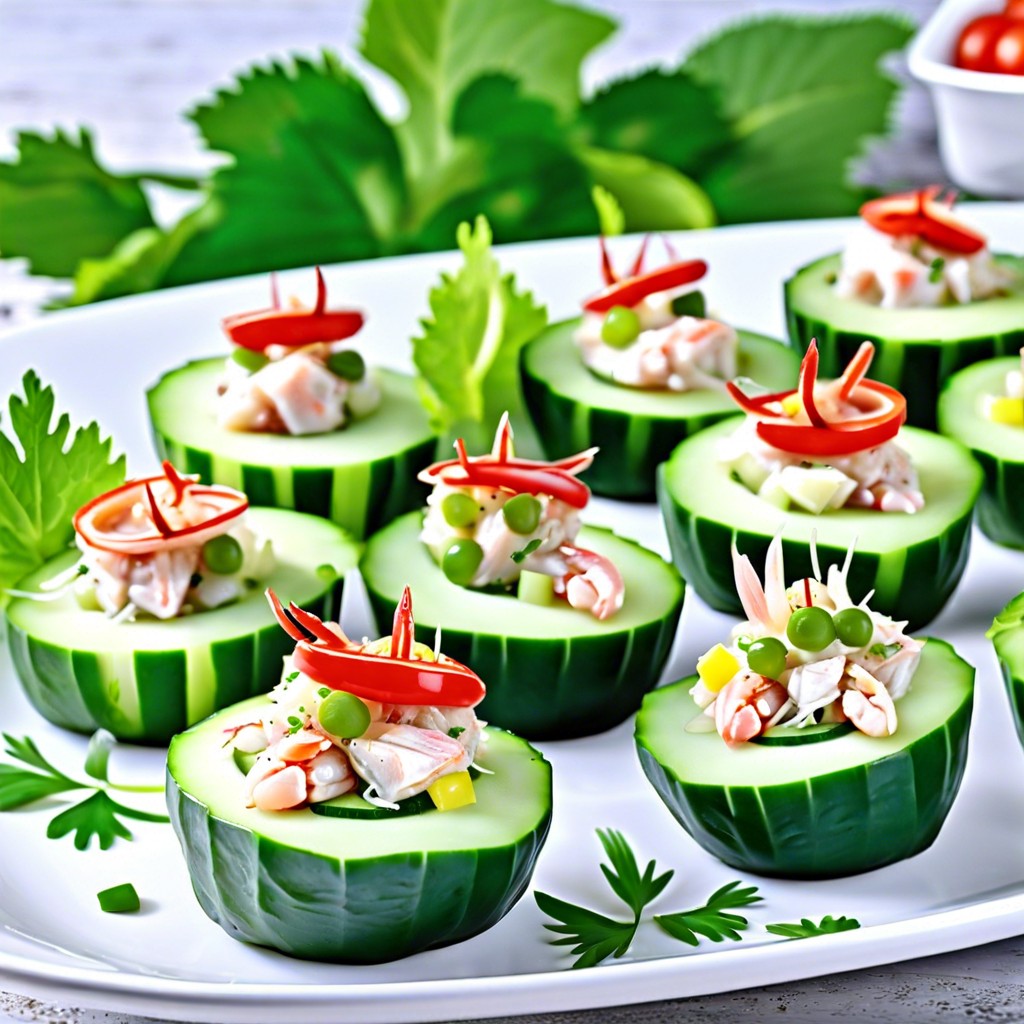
[296,419]
[818,740]
[919,283]
[1007,636]
[570,625]
[828,459]
[157,619]
[387,818]
[644,368]
[982,407]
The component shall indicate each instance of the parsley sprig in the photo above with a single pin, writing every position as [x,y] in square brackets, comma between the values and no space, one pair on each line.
[807,929]
[96,816]
[712,920]
[592,935]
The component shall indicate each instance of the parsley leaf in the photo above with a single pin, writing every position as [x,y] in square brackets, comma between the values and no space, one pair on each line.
[524,553]
[19,787]
[712,921]
[609,212]
[97,816]
[802,95]
[884,650]
[456,731]
[593,936]
[468,353]
[806,929]
[43,485]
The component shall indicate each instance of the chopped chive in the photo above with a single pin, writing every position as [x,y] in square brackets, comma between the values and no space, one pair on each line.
[119,899]
[291,677]
[456,731]
[295,723]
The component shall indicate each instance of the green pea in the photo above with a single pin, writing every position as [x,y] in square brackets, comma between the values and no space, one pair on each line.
[343,715]
[223,555]
[347,364]
[249,360]
[854,627]
[522,513]
[459,509]
[461,561]
[810,629]
[621,327]
[767,657]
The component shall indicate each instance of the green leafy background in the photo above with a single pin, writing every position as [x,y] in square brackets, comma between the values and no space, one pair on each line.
[761,121]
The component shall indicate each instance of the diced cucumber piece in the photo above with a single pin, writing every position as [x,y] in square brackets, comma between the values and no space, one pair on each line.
[751,471]
[844,804]
[551,671]
[916,349]
[913,562]
[361,477]
[1007,634]
[536,588]
[998,447]
[355,890]
[635,429]
[148,679]
[773,492]
[816,488]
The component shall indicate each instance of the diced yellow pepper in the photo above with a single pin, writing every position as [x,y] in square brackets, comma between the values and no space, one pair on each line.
[792,405]
[1006,410]
[452,791]
[717,667]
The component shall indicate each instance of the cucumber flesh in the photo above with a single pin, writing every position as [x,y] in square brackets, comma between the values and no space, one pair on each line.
[916,349]
[148,679]
[635,429]
[360,477]
[816,810]
[912,562]
[355,891]
[550,671]
[998,447]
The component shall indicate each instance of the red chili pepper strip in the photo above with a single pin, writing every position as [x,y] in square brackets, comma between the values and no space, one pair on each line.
[630,291]
[403,631]
[807,591]
[808,378]
[755,405]
[509,475]
[157,516]
[856,370]
[282,617]
[177,481]
[607,270]
[571,464]
[315,625]
[391,680]
[638,263]
[923,214]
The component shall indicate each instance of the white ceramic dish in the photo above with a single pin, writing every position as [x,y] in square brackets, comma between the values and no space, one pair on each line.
[981,116]
[171,962]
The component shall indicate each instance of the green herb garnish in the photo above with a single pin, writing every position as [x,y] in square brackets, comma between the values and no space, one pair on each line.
[524,553]
[807,929]
[119,899]
[295,723]
[291,677]
[884,650]
[324,692]
[456,731]
[935,273]
[712,921]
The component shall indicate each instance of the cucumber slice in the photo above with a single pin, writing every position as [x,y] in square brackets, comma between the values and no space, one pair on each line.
[1007,635]
[573,409]
[916,349]
[818,810]
[355,891]
[147,680]
[912,562]
[551,672]
[998,447]
[361,477]
[781,736]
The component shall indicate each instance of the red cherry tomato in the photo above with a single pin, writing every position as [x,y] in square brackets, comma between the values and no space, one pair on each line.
[1008,58]
[975,49]
[1014,9]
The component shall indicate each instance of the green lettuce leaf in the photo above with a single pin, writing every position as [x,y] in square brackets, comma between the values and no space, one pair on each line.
[804,95]
[42,485]
[57,205]
[468,353]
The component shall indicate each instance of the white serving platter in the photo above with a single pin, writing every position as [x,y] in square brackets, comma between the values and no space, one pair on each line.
[170,961]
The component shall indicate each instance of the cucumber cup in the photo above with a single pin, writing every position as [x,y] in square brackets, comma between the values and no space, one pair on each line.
[354,890]
[1007,636]
[839,804]
[998,447]
[635,429]
[147,679]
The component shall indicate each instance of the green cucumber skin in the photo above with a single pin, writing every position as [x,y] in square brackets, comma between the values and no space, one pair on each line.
[1007,635]
[1014,684]
[355,911]
[631,445]
[916,368]
[998,512]
[830,826]
[68,689]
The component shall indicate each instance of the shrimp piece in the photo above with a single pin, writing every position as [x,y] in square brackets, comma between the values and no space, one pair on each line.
[328,775]
[592,583]
[746,706]
[867,704]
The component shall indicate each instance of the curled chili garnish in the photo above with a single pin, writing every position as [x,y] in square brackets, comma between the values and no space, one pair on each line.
[326,655]
[502,470]
[881,411]
[292,327]
[637,285]
[926,213]
[97,521]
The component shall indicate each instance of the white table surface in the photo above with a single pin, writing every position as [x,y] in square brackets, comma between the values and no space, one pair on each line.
[128,67]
